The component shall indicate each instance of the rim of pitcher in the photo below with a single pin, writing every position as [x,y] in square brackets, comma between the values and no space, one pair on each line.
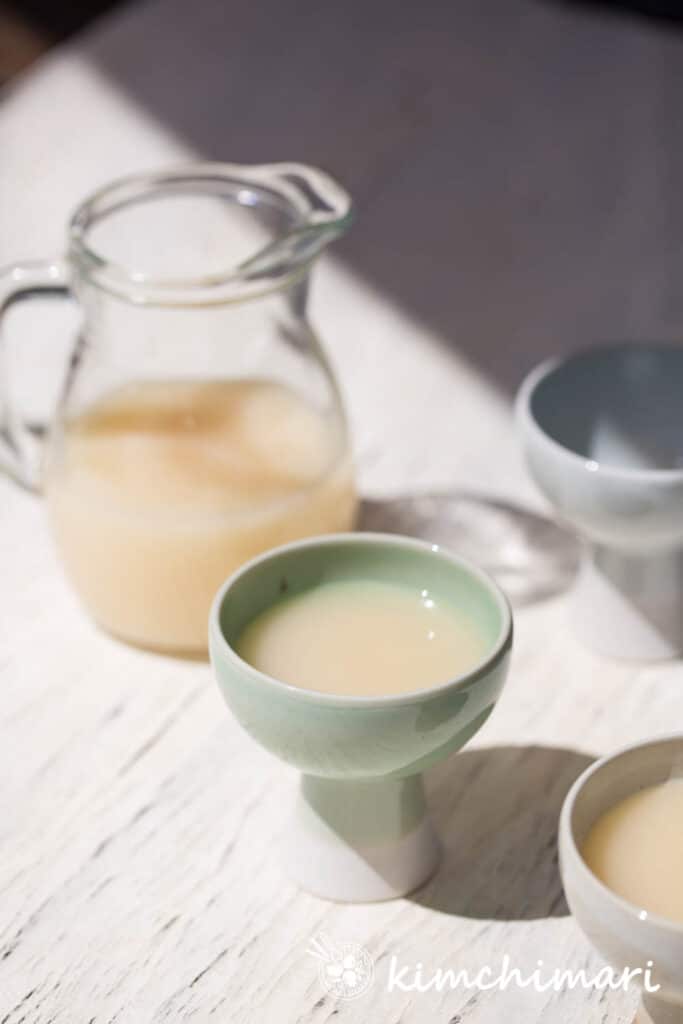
[319,210]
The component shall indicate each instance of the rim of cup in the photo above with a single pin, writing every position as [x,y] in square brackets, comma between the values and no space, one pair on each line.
[481,667]
[528,419]
[566,830]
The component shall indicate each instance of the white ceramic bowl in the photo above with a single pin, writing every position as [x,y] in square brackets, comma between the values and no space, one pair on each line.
[602,432]
[625,935]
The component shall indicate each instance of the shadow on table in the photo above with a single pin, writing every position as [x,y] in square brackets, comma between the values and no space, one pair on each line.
[493,205]
[531,556]
[497,812]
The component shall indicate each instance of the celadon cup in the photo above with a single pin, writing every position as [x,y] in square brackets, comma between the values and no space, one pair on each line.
[627,936]
[360,829]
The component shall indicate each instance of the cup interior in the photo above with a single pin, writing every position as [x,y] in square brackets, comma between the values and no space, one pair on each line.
[618,406]
[610,781]
[298,567]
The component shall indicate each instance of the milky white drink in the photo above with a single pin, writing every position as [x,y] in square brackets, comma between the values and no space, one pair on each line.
[636,849]
[362,637]
[161,490]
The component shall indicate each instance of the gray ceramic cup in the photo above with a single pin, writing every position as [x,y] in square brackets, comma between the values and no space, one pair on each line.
[602,432]
[626,935]
[360,829]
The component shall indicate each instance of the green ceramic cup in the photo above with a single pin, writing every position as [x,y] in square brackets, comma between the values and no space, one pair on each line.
[360,829]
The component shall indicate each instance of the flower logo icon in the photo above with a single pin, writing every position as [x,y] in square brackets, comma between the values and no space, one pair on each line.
[345,969]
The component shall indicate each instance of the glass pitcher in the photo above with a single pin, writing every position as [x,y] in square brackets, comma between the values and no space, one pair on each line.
[199,423]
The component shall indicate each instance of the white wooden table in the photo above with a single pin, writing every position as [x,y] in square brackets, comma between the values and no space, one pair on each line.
[137,822]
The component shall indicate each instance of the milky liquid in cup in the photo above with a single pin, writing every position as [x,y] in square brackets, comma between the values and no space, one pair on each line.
[636,849]
[362,638]
[162,489]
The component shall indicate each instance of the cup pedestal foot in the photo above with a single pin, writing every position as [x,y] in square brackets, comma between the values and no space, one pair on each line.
[630,606]
[358,841]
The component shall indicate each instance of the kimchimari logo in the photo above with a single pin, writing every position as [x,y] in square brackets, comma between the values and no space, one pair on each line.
[413,978]
[345,969]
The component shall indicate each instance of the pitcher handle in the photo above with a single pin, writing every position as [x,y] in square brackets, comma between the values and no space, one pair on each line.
[17,437]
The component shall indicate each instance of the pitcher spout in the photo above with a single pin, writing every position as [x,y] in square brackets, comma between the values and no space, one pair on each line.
[321,211]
